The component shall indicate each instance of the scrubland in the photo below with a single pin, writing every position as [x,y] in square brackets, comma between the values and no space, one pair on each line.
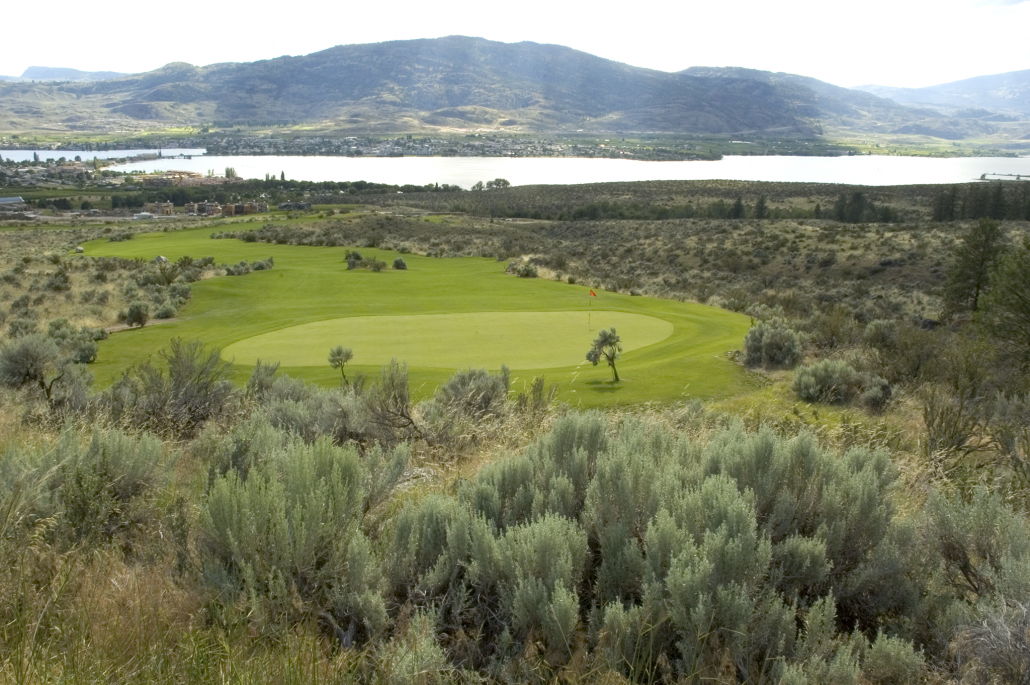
[857,514]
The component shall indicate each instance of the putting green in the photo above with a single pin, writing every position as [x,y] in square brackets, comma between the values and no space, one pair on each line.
[522,340]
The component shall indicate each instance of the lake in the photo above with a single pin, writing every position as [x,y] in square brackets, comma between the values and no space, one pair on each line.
[465,171]
[26,155]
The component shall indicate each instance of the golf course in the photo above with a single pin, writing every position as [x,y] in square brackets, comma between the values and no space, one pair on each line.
[437,315]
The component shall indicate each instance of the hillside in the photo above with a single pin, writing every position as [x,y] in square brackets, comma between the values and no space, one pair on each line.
[461,83]
[1008,93]
[407,85]
[870,111]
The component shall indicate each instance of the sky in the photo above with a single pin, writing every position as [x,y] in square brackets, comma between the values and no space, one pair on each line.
[905,43]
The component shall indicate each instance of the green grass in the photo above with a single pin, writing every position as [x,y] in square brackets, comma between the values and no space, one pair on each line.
[522,340]
[535,326]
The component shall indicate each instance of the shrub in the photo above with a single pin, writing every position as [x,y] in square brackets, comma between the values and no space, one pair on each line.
[875,394]
[400,264]
[97,491]
[317,413]
[21,326]
[881,334]
[84,352]
[138,314]
[696,551]
[240,269]
[834,329]
[246,445]
[526,270]
[475,393]
[773,344]
[176,403]
[59,281]
[996,649]
[544,561]
[261,379]
[415,656]
[32,361]
[292,529]
[180,291]
[837,382]
[892,661]
[165,311]
[389,405]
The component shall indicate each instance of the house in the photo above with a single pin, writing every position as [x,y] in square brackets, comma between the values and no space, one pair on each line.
[160,208]
[11,204]
[203,208]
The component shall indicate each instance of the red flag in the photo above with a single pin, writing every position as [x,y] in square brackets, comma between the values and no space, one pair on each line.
[593,294]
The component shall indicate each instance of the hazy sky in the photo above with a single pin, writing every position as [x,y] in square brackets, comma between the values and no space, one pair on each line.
[887,42]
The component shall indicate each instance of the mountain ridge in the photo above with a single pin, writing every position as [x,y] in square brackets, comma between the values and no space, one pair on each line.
[1008,92]
[459,82]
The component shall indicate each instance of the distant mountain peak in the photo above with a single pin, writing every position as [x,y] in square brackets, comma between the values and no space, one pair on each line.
[66,74]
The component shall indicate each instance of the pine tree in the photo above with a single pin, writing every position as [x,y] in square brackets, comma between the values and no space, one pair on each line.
[974,258]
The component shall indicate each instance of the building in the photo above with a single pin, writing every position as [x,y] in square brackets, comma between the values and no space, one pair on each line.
[12,204]
[241,208]
[160,208]
[208,208]
[295,206]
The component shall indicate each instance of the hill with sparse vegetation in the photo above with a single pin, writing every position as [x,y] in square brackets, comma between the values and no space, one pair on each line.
[456,82]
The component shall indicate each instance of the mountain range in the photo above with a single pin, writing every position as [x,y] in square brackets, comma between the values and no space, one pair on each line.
[1008,93]
[62,74]
[462,82]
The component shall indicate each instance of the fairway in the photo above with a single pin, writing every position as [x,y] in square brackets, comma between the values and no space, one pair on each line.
[521,340]
[438,315]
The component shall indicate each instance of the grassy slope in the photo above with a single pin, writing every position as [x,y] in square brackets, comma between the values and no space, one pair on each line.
[311,284]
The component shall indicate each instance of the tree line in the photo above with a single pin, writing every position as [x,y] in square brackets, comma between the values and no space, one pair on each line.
[997,200]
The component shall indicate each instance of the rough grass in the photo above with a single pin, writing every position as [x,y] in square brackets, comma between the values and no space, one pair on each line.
[312,284]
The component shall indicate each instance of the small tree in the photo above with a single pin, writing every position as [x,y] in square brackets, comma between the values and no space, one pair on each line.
[609,346]
[1007,305]
[338,357]
[32,361]
[761,208]
[976,256]
[737,210]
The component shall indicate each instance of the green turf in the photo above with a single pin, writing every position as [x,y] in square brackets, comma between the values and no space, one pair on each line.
[312,286]
[522,340]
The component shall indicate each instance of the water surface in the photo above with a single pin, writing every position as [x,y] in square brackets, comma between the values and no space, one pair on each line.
[465,171]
